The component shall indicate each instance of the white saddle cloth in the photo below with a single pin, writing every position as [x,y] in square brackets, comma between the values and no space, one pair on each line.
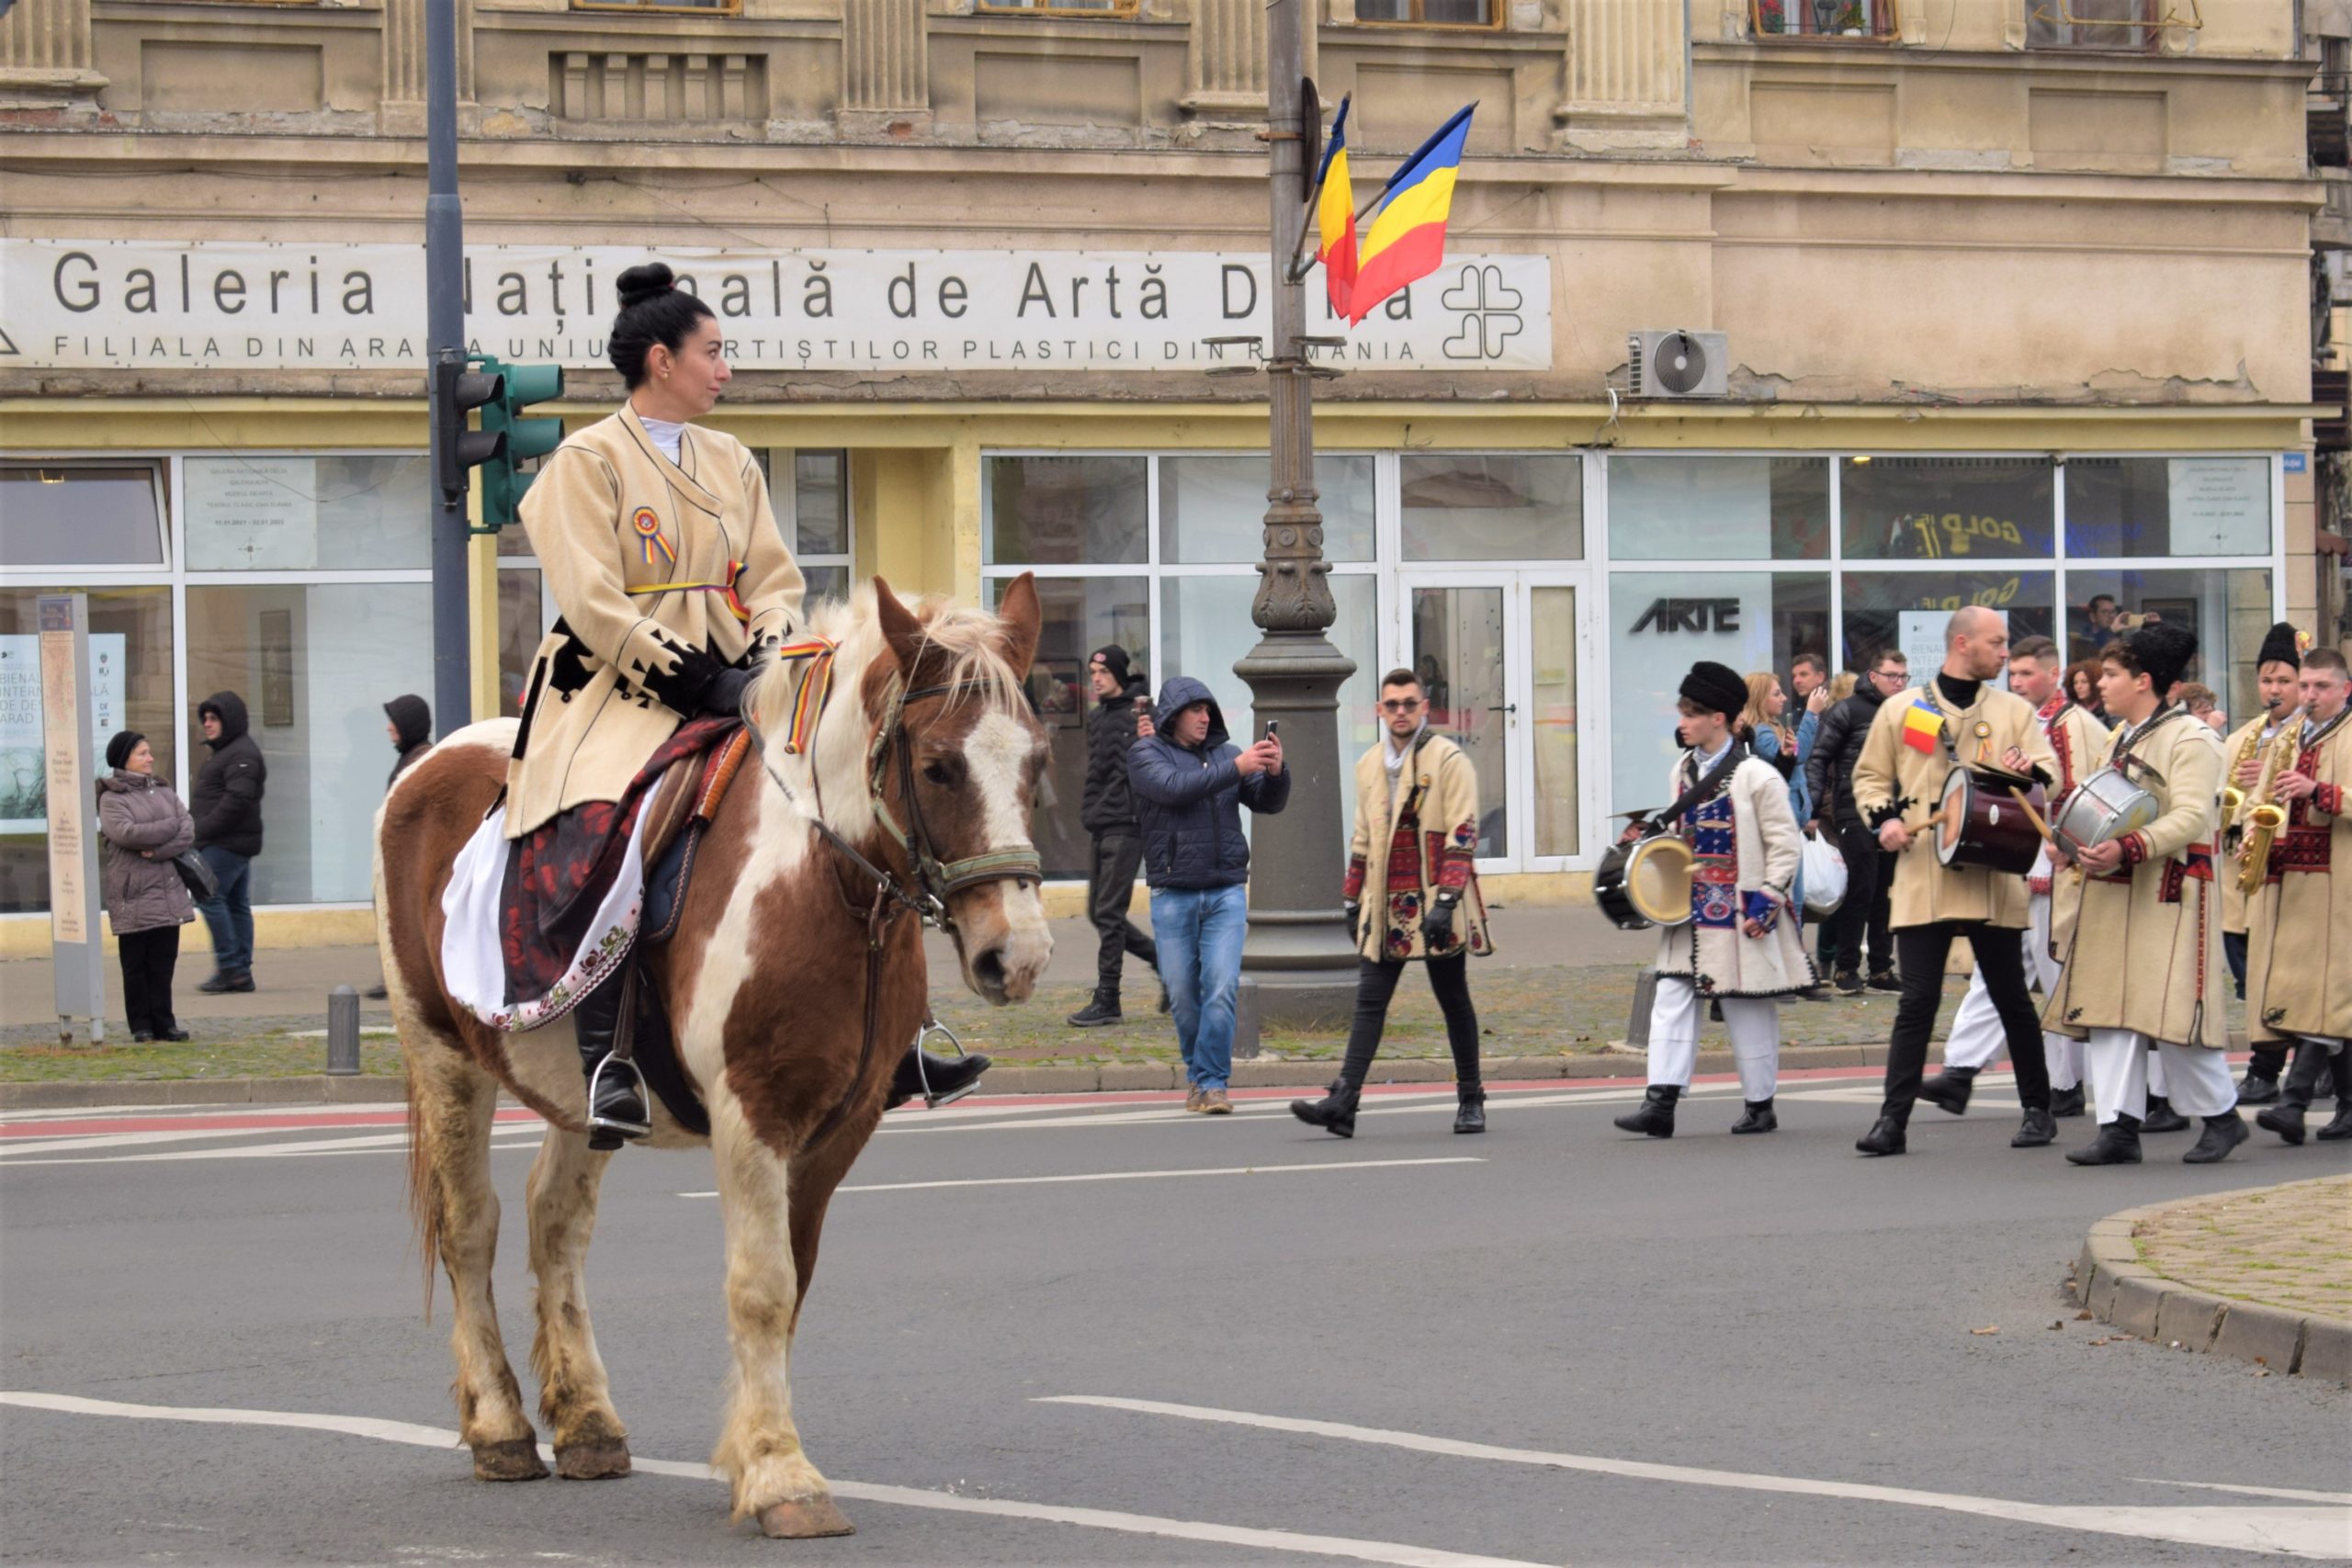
[473,964]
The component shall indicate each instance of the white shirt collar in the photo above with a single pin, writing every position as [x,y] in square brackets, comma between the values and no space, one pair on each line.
[1708,761]
[667,435]
[1394,758]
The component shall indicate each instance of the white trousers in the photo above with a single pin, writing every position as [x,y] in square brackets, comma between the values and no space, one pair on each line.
[1755,1025]
[2119,1065]
[1976,1034]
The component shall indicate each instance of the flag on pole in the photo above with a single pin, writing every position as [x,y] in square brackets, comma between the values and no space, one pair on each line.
[1335,217]
[1405,238]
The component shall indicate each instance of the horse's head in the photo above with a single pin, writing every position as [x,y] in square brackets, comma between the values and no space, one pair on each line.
[963,771]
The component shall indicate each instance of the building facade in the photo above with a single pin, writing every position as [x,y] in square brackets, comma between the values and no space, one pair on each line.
[2018,307]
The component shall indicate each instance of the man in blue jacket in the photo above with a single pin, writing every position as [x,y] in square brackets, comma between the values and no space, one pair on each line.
[1190,784]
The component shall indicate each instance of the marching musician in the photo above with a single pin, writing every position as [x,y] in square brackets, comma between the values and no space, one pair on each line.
[2036,674]
[1957,719]
[1742,946]
[2145,962]
[2298,974]
[2277,668]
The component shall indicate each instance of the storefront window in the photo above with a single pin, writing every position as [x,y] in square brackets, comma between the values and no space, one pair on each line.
[1955,509]
[1910,610]
[1662,623]
[810,492]
[315,663]
[2228,611]
[81,515]
[522,623]
[1214,509]
[2167,506]
[1080,615]
[1067,511]
[1719,508]
[1492,507]
[256,512]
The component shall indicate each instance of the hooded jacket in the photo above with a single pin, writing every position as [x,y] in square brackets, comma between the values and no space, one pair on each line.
[143,825]
[1108,806]
[1189,798]
[226,801]
[414,719]
[1829,765]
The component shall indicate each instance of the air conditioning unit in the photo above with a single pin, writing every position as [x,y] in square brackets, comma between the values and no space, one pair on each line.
[1678,364]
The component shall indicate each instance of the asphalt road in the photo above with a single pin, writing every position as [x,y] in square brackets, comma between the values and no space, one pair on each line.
[1554,1345]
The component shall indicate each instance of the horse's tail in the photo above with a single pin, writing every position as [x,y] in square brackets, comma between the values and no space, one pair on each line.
[423,1196]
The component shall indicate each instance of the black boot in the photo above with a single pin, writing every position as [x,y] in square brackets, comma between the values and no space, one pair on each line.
[1101,1008]
[2038,1130]
[2256,1089]
[937,1080]
[1655,1116]
[1335,1113]
[2222,1134]
[2162,1117]
[1756,1116]
[616,1108]
[2117,1144]
[2339,1128]
[2295,1092]
[1470,1114]
[1848,982]
[2065,1103]
[1949,1089]
[1888,1136]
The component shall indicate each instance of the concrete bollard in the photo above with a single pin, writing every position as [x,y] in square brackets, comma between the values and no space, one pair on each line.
[342,1032]
[1637,1028]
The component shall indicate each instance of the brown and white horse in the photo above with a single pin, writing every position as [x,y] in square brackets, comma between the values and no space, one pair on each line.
[766,982]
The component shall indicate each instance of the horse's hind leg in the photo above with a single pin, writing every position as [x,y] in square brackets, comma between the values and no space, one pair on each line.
[575,1401]
[451,1103]
[759,1448]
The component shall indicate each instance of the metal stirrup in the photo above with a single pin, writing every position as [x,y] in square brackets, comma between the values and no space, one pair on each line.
[598,1124]
[930,1100]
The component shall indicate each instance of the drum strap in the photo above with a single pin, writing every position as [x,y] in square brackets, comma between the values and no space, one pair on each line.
[1704,789]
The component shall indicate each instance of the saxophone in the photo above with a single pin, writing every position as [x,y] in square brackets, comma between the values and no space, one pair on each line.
[2262,822]
[2233,796]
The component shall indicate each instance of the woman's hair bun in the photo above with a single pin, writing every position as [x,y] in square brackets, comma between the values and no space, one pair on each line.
[648,280]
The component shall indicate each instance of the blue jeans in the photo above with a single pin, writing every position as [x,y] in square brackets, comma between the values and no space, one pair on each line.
[228,913]
[1199,930]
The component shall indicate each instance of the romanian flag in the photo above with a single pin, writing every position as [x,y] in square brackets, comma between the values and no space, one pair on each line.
[1335,217]
[1407,237]
[1923,726]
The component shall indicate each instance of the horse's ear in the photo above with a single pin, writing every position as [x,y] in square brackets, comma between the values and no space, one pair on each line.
[900,629]
[1018,617]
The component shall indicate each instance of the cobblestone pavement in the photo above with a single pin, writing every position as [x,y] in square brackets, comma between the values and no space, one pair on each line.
[2286,1247]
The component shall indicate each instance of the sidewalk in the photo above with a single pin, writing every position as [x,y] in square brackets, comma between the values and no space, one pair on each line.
[2263,1275]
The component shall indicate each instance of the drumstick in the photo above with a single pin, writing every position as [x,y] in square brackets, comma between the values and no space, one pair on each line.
[2035,818]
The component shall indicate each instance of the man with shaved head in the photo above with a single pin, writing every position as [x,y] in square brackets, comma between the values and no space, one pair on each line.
[1959,719]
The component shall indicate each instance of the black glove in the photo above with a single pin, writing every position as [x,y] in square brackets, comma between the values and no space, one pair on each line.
[1436,924]
[1355,922]
[725,692]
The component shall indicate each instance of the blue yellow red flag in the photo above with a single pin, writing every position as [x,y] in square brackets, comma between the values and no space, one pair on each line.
[1335,217]
[1405,238]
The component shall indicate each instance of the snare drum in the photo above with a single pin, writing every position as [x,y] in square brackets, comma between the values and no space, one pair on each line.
[2104,805]
[1979,823]
[1645,883]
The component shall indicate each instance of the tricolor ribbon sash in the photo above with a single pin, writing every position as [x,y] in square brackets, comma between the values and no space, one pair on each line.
[734,600]
[815,682]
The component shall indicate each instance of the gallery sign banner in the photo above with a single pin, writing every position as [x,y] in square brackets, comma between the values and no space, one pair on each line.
[67,304]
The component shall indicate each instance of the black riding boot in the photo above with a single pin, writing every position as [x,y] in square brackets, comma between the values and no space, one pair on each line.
[1655,1115]
[2295,1092]
[1335,1113]
[937,1080]
[1470,1110]
[1949,1089]
[617,1108]
[2117,1144]
[2340,1127]
[1756,1116]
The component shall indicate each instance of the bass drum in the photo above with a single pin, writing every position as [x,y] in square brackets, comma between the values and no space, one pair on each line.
[1645,883]
[1979,822]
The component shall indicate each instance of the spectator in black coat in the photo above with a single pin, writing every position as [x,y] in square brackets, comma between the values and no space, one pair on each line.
[1868,910]
[226,802]
[408,721]
[1107,810]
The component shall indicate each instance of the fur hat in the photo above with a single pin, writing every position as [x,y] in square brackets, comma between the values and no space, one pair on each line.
[2163,650]
[2283,645]
[1716,688]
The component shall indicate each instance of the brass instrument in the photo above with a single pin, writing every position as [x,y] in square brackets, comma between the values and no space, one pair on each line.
[2267,816]
[2233,794]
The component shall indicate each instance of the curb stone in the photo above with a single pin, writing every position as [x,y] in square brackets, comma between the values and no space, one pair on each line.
[2117,1288]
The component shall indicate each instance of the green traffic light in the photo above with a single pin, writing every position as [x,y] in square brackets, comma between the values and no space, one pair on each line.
[522,438]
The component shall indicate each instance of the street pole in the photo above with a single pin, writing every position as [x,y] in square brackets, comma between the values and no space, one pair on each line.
[1296,960]
[445,330]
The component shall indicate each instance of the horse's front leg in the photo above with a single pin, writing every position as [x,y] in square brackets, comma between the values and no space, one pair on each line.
[759,1449]
[574,1398]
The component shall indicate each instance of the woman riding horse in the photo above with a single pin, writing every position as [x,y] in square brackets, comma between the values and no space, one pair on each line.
[672,582]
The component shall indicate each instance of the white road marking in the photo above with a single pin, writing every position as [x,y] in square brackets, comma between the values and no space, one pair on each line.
[2287,1532]
[366,1143]
[1278,1109]
[1138,1175]
[2292,1494]
[1396,1552]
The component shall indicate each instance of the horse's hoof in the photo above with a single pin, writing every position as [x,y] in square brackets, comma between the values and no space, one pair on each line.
[593,1461]
[517,1459]
[804,1520]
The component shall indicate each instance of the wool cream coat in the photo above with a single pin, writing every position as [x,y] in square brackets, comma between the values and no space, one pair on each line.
[1713,949]
[2075,738]
[2146,953]
[1892,778]
[1430,839]
[2245,736]
[612,522]
[2298,938]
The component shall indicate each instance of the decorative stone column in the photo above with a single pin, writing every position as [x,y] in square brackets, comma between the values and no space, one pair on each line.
[404,61]
[885,66]
[46,58]
[1626,64]
[1225,63]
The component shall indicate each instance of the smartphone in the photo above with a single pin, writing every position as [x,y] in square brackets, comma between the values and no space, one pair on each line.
[1272,725]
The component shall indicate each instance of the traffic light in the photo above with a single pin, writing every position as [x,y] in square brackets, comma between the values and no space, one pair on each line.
[521,439]
[457,446]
